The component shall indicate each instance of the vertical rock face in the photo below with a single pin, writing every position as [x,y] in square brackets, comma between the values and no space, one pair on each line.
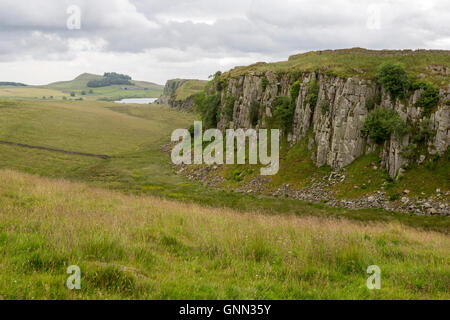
[336,121]
[441,123]
[337,128]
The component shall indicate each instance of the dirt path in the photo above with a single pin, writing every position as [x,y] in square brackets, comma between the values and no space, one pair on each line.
[101,156]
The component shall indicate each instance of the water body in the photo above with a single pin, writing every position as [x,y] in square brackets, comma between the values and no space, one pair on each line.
[137,100]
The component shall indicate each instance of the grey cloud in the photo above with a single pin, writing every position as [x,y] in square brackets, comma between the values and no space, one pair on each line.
[196,31]
[250,26]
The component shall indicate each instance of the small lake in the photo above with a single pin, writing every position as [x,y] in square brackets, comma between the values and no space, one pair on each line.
[137,100]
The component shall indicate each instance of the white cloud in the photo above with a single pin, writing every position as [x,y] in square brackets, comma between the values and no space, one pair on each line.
[156,40]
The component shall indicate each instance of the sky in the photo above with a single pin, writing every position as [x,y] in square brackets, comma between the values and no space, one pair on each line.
[42,41]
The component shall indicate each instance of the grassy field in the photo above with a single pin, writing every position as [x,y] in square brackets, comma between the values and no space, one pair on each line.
[149,248]
[78,86]
[133,135]
[109,214]
[353,62]
[30,93]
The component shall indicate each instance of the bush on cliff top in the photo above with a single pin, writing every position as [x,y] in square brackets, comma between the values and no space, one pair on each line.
[394,79]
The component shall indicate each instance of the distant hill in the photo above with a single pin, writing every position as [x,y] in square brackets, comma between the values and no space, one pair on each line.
[13,84]
[80,83]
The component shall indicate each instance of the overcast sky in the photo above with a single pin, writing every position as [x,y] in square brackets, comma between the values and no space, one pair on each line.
[156,40]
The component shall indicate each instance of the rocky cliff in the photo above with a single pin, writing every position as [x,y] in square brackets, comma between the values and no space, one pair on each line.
[179,93]
[335,122]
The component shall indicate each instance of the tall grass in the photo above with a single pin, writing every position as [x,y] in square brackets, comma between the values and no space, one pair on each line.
[149,248]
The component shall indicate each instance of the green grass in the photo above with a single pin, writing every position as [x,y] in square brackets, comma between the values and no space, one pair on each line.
[133,136]
[110,217]
[58,90]
[30,93]
[353,62]
[134,247]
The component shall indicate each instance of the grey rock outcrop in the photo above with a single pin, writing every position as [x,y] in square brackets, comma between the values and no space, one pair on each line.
[336,129]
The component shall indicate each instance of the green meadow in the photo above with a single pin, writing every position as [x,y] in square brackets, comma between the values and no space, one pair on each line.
[77,89]
[137,230]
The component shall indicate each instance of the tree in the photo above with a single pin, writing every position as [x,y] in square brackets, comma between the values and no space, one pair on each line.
[394,79]
[429,99]
[109,79]
[381,123]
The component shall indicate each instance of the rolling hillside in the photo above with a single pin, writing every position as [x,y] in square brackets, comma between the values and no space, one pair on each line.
[78,86]
[140,89]
[138,227]
[109,217]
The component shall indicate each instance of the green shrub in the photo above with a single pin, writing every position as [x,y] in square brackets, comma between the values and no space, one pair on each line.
[208,108]
[219,82]
[419,84]
[72,94]
[264,83]
[237,175]
[381,123]
[429,98]
[294,75]
[324,107]
[378,98]
[284,112]
[394,79]
[295,91]
[394,197]
[370,104]
[254,112]
[410,152]
[424,133]
[228,109]
[313,94]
